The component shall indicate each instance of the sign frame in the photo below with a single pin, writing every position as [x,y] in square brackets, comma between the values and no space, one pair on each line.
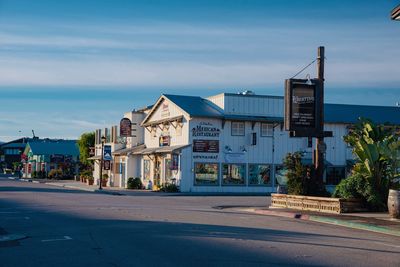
[125,127]
[290,122]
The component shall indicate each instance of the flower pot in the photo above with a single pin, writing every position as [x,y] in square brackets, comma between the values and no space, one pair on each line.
[89,181]
[103,183]
[394,203]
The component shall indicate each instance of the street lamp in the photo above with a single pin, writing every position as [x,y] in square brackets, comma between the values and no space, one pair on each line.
[103,139]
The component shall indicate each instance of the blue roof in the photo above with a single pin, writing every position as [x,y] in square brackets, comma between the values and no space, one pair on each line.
[339,113]
[52,147]
[14,145]
[196,106]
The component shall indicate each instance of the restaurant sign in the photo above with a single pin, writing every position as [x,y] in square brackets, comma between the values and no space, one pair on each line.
[302,114]
[205,129]
[206,146]
[125,127]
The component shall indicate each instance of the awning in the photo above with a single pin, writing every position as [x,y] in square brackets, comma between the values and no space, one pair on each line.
[160,150]
[170,149]
[95,158]
[127,151]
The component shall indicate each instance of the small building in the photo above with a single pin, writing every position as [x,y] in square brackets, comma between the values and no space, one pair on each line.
[10,153]
[44,155]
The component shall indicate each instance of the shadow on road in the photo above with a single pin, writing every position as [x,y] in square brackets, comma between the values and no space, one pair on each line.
[39,189]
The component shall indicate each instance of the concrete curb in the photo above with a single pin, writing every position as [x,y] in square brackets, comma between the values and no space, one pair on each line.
[355,225]
[328,220]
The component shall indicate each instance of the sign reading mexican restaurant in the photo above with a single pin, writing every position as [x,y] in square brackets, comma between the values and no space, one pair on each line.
[205,129]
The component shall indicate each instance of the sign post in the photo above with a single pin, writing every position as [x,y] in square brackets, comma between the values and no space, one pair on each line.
[304,111]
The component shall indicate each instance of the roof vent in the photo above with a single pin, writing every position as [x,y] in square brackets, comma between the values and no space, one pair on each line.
[247,92]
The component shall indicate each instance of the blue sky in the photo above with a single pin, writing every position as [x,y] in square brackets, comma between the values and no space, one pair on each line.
[67,67]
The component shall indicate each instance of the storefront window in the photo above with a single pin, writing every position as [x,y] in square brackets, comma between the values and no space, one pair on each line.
[206,174]
[334,175]
[168,172]
[281,175]
[146,169]
[259,174]
[233,174]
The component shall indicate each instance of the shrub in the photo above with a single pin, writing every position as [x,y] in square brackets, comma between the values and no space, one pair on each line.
[169,188]
[350,187]
[105,176]
[134,183]
[301,178]
[34,174]
[55,174]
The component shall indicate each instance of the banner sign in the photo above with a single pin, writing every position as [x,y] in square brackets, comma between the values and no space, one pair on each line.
[301,107]
[106,165]
[235,157]
[206,146]
[125,127]
[107,153]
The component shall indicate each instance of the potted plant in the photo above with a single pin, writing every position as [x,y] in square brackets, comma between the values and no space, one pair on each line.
[89,180]
[104,180]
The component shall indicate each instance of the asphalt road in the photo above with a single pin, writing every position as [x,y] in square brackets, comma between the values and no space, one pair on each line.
[75,228]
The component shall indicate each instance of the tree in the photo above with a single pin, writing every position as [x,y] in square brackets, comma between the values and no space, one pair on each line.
[84,143]
[376,149]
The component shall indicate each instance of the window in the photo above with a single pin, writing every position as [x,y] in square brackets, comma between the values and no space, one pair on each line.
[206,173]
[280,175]
[259,174]
[267,129]
[146,169]
[237,128]
[335,174]
[233,174]
[168,171]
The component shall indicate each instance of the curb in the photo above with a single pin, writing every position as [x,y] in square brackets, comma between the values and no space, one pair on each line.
[355,225]
[328,220]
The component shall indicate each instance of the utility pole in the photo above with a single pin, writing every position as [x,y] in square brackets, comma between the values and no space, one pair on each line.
[321,147]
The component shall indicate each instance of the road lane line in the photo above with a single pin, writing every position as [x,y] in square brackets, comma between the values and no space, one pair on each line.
[58,239]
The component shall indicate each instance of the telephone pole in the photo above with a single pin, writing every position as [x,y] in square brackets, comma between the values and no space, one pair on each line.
[320,145]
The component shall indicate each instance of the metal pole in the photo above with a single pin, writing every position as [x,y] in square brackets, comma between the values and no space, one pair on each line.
[319,153]
[101,164]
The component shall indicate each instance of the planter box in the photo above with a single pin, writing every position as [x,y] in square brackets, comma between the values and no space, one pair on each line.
[89,182]
[320,204]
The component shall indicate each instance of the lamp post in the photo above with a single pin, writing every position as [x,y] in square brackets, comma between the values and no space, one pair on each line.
[103,139]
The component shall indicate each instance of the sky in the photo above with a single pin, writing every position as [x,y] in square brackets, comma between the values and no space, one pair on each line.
[71,66]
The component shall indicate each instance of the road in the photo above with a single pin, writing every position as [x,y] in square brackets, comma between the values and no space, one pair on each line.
[76,228]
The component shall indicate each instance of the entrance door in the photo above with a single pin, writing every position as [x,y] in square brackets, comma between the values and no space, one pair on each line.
[157,172]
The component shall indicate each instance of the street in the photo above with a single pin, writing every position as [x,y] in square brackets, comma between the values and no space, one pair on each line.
[67,227]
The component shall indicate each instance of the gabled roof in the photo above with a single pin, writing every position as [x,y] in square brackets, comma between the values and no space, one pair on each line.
[194,106]
[52,147]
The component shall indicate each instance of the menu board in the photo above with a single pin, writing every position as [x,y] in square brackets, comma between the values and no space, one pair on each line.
[206,146]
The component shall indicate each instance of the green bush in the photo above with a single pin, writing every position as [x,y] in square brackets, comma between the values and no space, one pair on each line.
[169,188]
[135,183]
[301,179]
[350,187]
[34,174]
[55,174]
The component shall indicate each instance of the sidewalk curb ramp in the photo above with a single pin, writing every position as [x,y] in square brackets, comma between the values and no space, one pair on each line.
[328,220]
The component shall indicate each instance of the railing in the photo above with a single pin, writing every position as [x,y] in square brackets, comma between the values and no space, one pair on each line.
[320,204]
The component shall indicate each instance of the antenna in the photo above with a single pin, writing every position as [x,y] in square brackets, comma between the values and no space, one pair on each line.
[33,132]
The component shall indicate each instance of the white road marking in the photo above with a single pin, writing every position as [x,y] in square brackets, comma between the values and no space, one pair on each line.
[57,239]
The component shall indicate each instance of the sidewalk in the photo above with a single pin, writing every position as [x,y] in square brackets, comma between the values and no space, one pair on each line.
[379,222]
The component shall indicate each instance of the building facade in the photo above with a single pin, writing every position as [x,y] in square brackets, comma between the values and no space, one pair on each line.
[233,142]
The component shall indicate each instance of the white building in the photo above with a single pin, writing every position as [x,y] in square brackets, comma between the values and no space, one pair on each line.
[231,142]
